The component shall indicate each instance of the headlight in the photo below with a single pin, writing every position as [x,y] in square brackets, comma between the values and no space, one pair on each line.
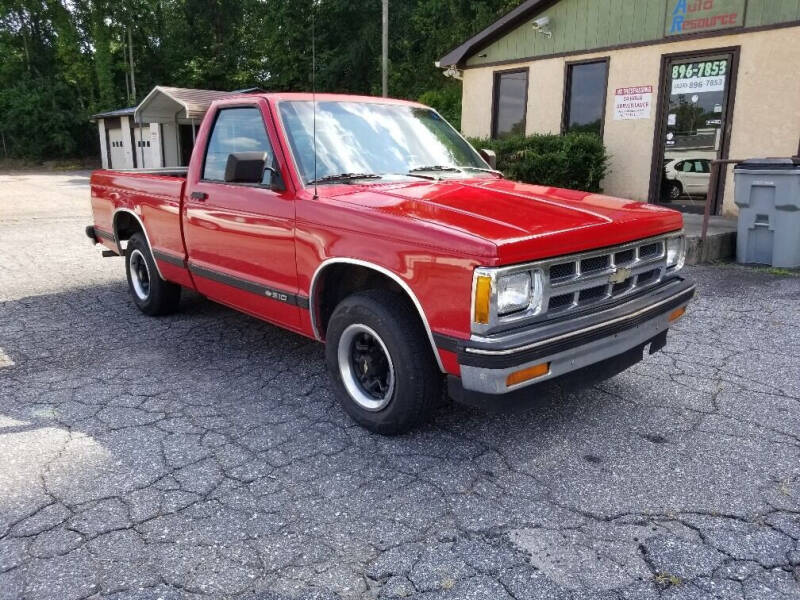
[513,292]
[501,295]
[676,252]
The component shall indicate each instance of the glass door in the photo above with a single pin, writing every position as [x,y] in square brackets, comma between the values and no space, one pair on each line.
[693,130]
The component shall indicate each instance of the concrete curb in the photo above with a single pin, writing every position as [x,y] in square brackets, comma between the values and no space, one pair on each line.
[718,246]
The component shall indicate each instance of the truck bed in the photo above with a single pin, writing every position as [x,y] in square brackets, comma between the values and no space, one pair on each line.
[151,196]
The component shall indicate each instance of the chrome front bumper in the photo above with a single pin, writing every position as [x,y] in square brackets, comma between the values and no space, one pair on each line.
[574,343]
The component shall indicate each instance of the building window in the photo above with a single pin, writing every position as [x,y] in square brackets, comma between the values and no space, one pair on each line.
[585,96]
[510,101]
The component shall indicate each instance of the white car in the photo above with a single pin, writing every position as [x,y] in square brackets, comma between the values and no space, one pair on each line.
[686,176]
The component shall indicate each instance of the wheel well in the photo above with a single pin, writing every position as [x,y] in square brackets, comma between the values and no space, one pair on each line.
[125,225]
[340,280]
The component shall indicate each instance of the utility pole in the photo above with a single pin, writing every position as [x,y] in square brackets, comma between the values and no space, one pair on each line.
[130,55]
[127,78]
[385,57]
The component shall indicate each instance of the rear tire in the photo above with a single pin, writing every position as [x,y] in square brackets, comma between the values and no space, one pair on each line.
[380,362]
[151,294]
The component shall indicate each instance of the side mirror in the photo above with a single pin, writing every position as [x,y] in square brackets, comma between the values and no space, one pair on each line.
[251,167]
[245,167]
[489,156]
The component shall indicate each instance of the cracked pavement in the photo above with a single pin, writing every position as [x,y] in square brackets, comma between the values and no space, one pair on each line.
[202,455]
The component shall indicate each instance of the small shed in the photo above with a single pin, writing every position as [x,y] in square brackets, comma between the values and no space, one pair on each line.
[159,132]
[116,141]
[173,115]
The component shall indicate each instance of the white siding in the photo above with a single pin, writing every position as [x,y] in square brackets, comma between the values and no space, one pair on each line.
[127,146]
[169,139]
[101,130]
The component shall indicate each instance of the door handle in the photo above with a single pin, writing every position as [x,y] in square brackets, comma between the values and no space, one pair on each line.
[199,196]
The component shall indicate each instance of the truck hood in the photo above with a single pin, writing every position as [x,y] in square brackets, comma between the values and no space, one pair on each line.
[524,222]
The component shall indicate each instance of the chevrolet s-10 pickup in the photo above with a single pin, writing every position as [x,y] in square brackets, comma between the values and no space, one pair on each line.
[373,226]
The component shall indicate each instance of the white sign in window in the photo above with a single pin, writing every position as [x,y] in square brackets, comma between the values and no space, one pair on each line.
[633,103]
[698,85]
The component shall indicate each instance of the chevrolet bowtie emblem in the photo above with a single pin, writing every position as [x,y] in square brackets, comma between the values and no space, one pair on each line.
[619,275]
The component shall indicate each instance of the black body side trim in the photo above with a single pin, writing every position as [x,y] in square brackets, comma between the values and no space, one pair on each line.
[169,258]
[445,342]
[502,361]
[250,286]
[93,233]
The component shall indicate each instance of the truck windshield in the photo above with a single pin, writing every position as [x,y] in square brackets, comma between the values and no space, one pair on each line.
[373,138]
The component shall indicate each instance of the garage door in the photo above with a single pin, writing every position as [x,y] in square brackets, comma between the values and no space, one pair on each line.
[116,152]
[141,142]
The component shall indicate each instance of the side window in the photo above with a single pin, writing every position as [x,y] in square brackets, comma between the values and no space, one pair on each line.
[510,103]
[688,166]
[235,130]
[585,99]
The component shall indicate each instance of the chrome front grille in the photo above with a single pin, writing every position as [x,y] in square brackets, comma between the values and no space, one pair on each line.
[581,282]
[593,277]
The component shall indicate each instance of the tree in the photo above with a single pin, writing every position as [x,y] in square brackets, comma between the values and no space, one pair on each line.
[63,61]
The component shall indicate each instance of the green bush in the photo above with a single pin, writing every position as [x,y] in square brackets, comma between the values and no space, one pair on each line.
[576,161]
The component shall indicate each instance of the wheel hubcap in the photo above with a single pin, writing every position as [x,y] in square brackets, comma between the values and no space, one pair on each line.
[366,367]
[140,275]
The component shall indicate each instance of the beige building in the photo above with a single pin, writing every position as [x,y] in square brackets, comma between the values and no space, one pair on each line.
[669,84]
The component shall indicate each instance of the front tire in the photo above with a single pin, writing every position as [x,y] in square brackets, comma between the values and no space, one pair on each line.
[674,191]
[380,362]
[151,294]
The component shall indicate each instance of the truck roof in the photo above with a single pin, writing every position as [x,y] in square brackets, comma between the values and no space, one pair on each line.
[320,97]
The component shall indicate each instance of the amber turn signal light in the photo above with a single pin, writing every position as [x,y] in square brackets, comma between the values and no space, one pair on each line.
[677,314]
[527,374]
[483,292]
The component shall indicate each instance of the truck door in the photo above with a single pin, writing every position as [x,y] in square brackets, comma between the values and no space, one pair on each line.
[240,237]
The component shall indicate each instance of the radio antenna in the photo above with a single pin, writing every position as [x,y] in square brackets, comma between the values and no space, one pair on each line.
[314,87]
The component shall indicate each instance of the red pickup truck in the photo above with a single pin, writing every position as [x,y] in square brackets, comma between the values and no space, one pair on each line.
[371,225]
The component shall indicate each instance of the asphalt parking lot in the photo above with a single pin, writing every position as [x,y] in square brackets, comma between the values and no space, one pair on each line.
[202,454]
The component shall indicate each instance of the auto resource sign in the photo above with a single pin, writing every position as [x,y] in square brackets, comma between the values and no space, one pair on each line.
[696,16]
[633,103]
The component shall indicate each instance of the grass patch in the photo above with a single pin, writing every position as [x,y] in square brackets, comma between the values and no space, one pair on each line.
[776,271]
[782,272]
[667,580]
[67,164]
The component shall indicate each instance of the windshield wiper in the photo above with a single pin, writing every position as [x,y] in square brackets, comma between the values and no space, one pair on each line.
[419,175]
[344,178]
[454,169]
[482,169]
[435,168]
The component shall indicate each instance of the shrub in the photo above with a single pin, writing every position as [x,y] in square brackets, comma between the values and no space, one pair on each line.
[577,161]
